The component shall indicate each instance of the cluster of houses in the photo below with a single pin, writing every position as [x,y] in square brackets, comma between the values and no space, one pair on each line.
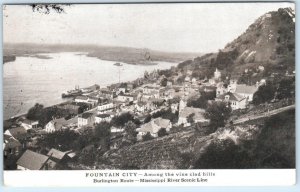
[141,100]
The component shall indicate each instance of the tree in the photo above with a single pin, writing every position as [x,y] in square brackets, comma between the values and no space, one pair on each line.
[218,113]
[201,102]
[35,112]
[162,132]
[147,119]
[61,140]
[121,120]
[223,154]
[102,135]
[147,137]
[167,114]
[286,89]
[164,82]
[130,132]
[190,118]
[264,94]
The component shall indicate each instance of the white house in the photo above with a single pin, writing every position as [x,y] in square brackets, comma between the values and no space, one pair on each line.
[196,113]
[125,98]
[232,85]
[147,89]
[86,99]
[116,130]
[163,123]
[81,99]
[182,104]
[187,79]
[29,124]
[174,107]
[103,118]
[55,125]
[141,106]
[217,74]
[105,107]
[86,119]
[153,127]
[246,91]
[235,100]
[220,89]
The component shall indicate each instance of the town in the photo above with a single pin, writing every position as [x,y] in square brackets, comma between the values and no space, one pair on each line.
[228,109]
[102,119]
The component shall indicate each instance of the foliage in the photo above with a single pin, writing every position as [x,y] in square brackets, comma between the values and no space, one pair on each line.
[201,102]
[166,73]
[88,156]
[276,142]
[218,113]
[61,140]
[264,94]
[162,132]
[181,79]
[130,132]
[147,137]
[164,82]
[102,134]
[35,112]
[44,115]
[184,64]
[223,154]
[273,148]
[286,88]
[147,119]
[166,114]
[190,118]
[225,59]
[121,120]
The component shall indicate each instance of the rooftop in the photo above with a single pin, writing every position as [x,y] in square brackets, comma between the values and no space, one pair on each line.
[162,122]
[86,115]
[199,113]
[18,132]
[82,97]
[150,127]
[103,115]
[243,88]
[33,161]
[56,154]
[232,96]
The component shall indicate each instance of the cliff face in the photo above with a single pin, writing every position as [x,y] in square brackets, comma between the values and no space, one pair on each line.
[270,40]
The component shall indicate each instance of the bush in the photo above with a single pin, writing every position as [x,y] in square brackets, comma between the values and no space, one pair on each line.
[218,113]
[264,94]
[162,132]
[147,137]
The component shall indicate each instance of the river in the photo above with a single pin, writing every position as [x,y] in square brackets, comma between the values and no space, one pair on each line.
[30,80]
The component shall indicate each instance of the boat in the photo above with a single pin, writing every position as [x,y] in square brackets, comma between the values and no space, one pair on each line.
[72,93]
[118,64]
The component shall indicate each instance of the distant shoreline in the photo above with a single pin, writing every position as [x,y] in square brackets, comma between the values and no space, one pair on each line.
[12,58]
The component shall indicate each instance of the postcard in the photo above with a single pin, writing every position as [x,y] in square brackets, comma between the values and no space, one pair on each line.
[149,94]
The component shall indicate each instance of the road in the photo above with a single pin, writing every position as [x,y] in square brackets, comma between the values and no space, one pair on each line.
[265,114]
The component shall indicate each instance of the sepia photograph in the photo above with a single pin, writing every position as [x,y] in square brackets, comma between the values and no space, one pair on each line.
[149,86]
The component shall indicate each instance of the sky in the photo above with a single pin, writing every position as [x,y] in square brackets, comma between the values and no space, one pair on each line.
[191,27]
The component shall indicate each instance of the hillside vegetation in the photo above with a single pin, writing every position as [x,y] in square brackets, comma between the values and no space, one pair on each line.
[268,42]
